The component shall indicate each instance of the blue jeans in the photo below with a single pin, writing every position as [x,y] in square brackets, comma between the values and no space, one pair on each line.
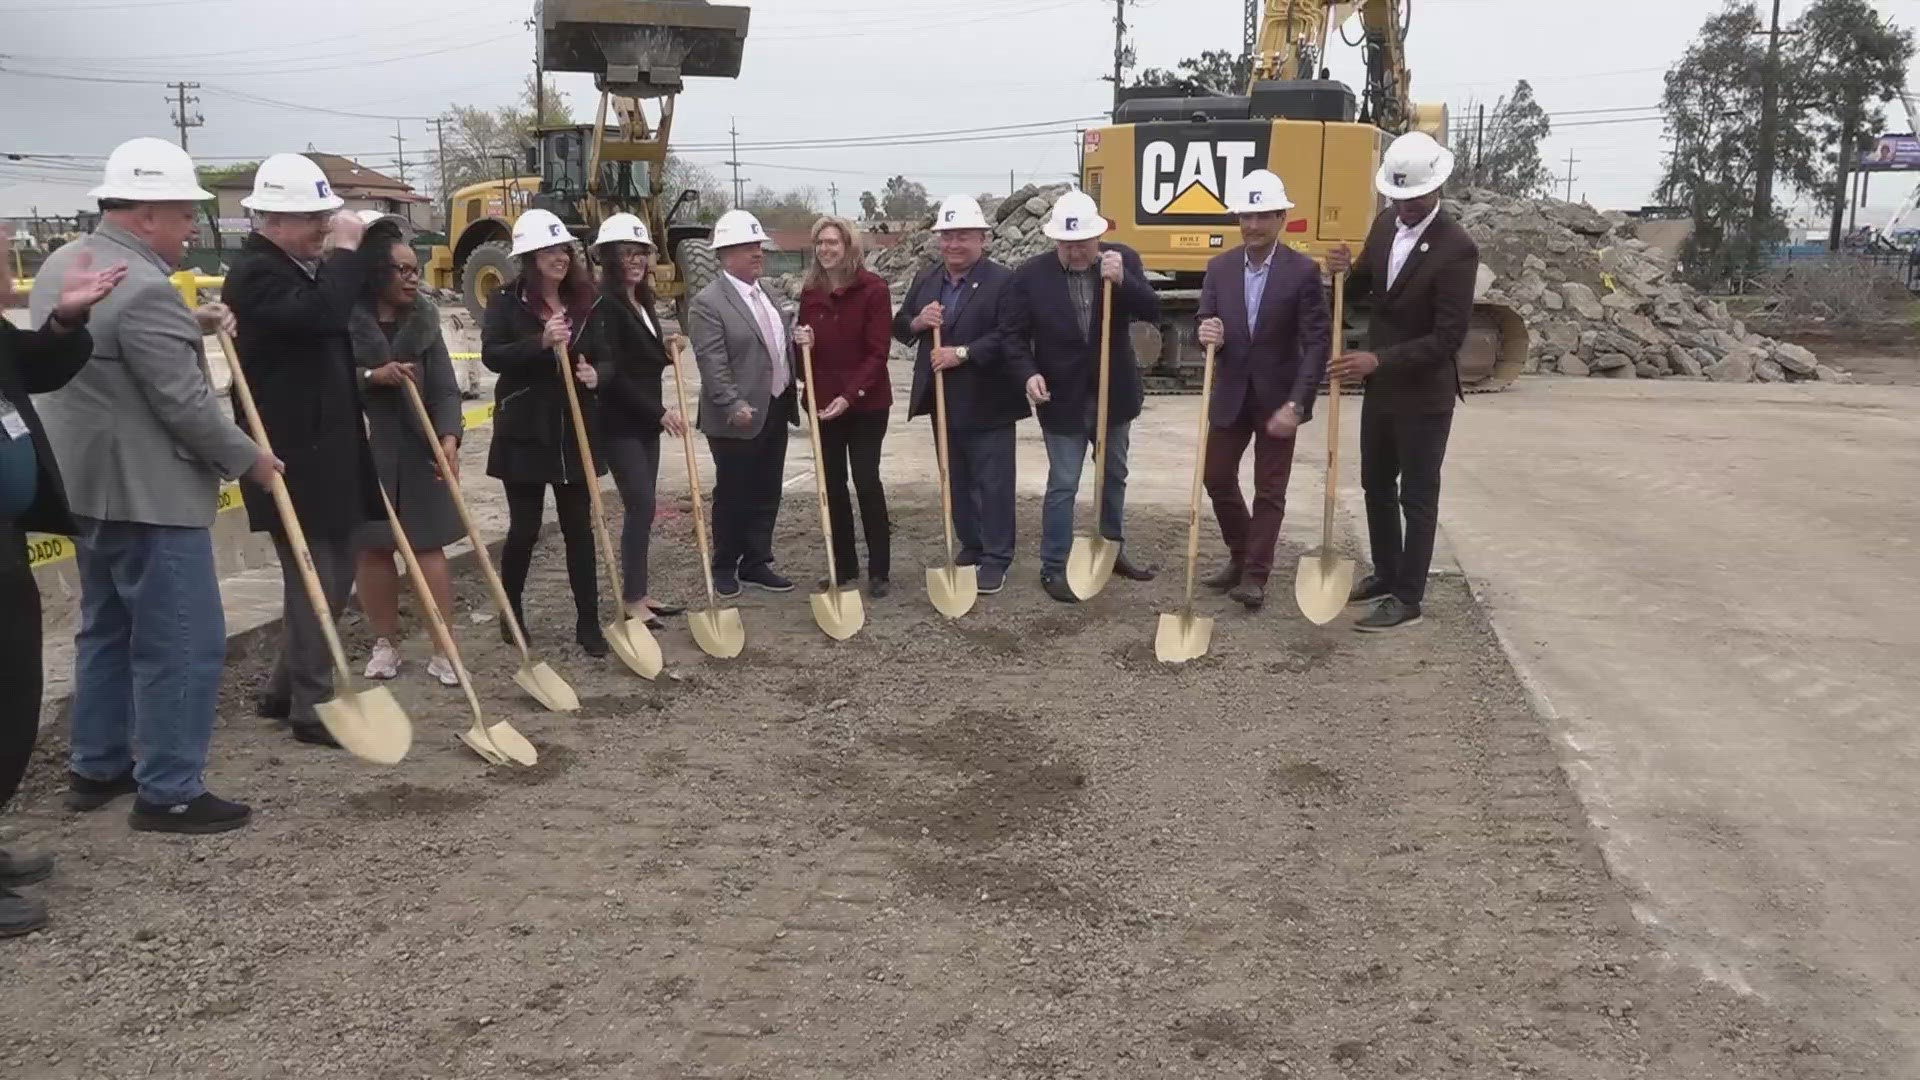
[980,467]
[148,657]
[1067,447]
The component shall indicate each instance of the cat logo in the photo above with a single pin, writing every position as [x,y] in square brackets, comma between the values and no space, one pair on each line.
[1188,176]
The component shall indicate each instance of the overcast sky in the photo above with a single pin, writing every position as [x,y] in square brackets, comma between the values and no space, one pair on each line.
[813,69]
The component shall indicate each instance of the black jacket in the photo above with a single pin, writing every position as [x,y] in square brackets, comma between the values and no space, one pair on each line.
[1043,337]
[1419,324]
[297,353]
[40,362]
[533,440]
[618,341]
[985,391]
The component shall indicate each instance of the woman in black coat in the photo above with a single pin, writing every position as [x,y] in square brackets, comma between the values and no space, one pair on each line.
[534,446]
[627,337]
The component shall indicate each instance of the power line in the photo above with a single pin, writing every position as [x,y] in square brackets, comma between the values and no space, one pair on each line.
[181,118]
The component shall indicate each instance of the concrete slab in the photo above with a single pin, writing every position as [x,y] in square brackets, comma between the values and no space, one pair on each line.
[1709,588]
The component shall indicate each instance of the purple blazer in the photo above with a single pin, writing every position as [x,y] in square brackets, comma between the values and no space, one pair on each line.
[1284,357]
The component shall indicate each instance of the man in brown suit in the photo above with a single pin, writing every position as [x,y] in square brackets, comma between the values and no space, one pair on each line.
[1418,268]
[1262,306]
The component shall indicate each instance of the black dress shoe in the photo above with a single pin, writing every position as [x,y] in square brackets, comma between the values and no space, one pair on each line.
[272,707]
[20,914]
[592,641]
[1389,614]
[846,581]
[992,579]
[1056,587]
[18,870]
[206,814]
[313,733]
[878,587]
[725,586]
[1368,590]
[1250,595]
[763,577]
[1223,579]
[85,793]
[1126,569]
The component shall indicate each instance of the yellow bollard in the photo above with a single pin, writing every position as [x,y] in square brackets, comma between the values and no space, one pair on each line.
[188,282]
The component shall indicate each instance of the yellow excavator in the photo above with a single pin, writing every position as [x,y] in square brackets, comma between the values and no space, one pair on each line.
[635,50]
[1164,170]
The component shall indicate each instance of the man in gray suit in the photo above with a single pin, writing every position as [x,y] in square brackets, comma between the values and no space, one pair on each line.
[748,353]
[144,443]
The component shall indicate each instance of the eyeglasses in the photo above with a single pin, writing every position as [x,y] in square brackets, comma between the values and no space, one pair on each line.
[404,271]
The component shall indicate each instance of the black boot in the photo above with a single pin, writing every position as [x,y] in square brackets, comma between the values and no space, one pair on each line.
[591,639]
[506,629]
[20,914]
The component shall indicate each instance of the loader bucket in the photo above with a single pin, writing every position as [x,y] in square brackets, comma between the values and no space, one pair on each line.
[643,48]
[1495,352]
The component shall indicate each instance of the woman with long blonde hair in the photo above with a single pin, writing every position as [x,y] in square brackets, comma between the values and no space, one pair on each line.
[851,313]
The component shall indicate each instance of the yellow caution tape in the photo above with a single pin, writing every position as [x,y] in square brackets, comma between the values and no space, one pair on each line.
[45,549]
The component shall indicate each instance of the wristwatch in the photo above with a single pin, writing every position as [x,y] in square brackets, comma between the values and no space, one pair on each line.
[86,314]
[961,352]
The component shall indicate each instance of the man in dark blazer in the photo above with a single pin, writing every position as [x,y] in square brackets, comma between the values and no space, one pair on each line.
[1052,333]
[32,498]
[1263,306]
[1418,268]
[962,298]
[294,305]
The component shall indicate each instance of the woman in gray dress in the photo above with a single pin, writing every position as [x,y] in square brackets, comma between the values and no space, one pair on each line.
[396,338]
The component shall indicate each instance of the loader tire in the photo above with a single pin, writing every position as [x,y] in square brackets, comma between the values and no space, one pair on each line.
[697,266]
[490,268]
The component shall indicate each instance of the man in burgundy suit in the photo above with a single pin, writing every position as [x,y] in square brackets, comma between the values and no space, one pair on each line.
[1263,305]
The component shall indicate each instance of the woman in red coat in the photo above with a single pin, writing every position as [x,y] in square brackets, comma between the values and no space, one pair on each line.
[851,314]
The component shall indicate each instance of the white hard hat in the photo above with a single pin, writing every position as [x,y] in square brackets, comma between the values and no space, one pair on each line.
[737,227]
[1260,193]
[150,170]
[960,212]
[1075,217]
[1415,165]
[537,230]
[623,229]
[291,184]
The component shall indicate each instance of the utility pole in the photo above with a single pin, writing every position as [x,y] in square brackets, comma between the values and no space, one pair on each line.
[1119,48]
[833,192]
[1571,161]
[1769,122]
[440,140]
[1480,144]
[181,118]
[400,155]
[1009,183]
[733,130]
[1849,149]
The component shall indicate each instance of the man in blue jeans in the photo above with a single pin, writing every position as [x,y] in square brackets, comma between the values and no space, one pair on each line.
[1052,333]
[143,444]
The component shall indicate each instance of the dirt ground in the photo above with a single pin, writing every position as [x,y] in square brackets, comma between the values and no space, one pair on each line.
[1013,846]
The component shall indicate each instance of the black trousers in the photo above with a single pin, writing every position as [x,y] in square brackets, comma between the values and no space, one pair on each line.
[635,461]
[526,505]
[854,439]
[1400,458]
[20,673]
[747,474]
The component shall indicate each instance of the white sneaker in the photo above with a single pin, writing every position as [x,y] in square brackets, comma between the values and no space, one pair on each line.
[442,668]
[385,662]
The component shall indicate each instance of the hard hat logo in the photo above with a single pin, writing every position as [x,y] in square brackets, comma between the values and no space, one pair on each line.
[321,189]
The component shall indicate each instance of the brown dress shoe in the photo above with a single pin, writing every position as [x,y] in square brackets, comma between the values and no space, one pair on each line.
[1223,579]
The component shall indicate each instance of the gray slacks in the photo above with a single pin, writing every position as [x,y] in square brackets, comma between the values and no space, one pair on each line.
[304,673]
[635,462]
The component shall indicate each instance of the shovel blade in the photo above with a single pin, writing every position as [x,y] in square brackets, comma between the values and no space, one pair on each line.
[369,724]
[1181,638]
[544,685]
[718,631]
[481,743]
[508,741]
[841,614]
[635,647]
[953,589]
[1090,565]
[1322,584]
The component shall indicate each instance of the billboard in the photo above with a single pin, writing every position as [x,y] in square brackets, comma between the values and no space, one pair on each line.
[1892,153]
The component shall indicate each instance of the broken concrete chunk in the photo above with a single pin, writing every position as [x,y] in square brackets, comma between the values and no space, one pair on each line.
[1571,365]
[1582,301]
[1794,358]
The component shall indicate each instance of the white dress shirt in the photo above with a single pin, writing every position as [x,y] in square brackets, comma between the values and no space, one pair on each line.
[1405,238]
[771,330]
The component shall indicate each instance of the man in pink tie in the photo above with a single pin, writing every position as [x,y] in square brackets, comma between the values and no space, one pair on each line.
[748,352]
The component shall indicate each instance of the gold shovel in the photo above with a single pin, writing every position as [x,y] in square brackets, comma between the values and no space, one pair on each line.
[718,631]
[952,588]
[1187,636]
[628,636]
[364,720]
[499,744]
[541,682]
[1090,562]
[1324,581]
[838,611]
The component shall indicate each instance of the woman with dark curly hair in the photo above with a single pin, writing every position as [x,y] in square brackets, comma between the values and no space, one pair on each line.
[534,446]
[396,340]
[626,335]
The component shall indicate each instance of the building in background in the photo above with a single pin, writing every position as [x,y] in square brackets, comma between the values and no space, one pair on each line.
[363,189]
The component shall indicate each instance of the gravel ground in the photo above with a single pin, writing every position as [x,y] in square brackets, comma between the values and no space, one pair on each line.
[1011,846]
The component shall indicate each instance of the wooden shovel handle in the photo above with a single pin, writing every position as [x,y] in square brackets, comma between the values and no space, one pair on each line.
[494,585]
[289,520]
[819,471]
[940,445]
[442,637]
[601,538]
[1100,411]
[1199,479]
[693,476]
[1337,344]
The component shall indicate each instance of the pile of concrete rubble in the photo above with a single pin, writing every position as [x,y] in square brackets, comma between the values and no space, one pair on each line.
[1016,236]
[1598,301]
